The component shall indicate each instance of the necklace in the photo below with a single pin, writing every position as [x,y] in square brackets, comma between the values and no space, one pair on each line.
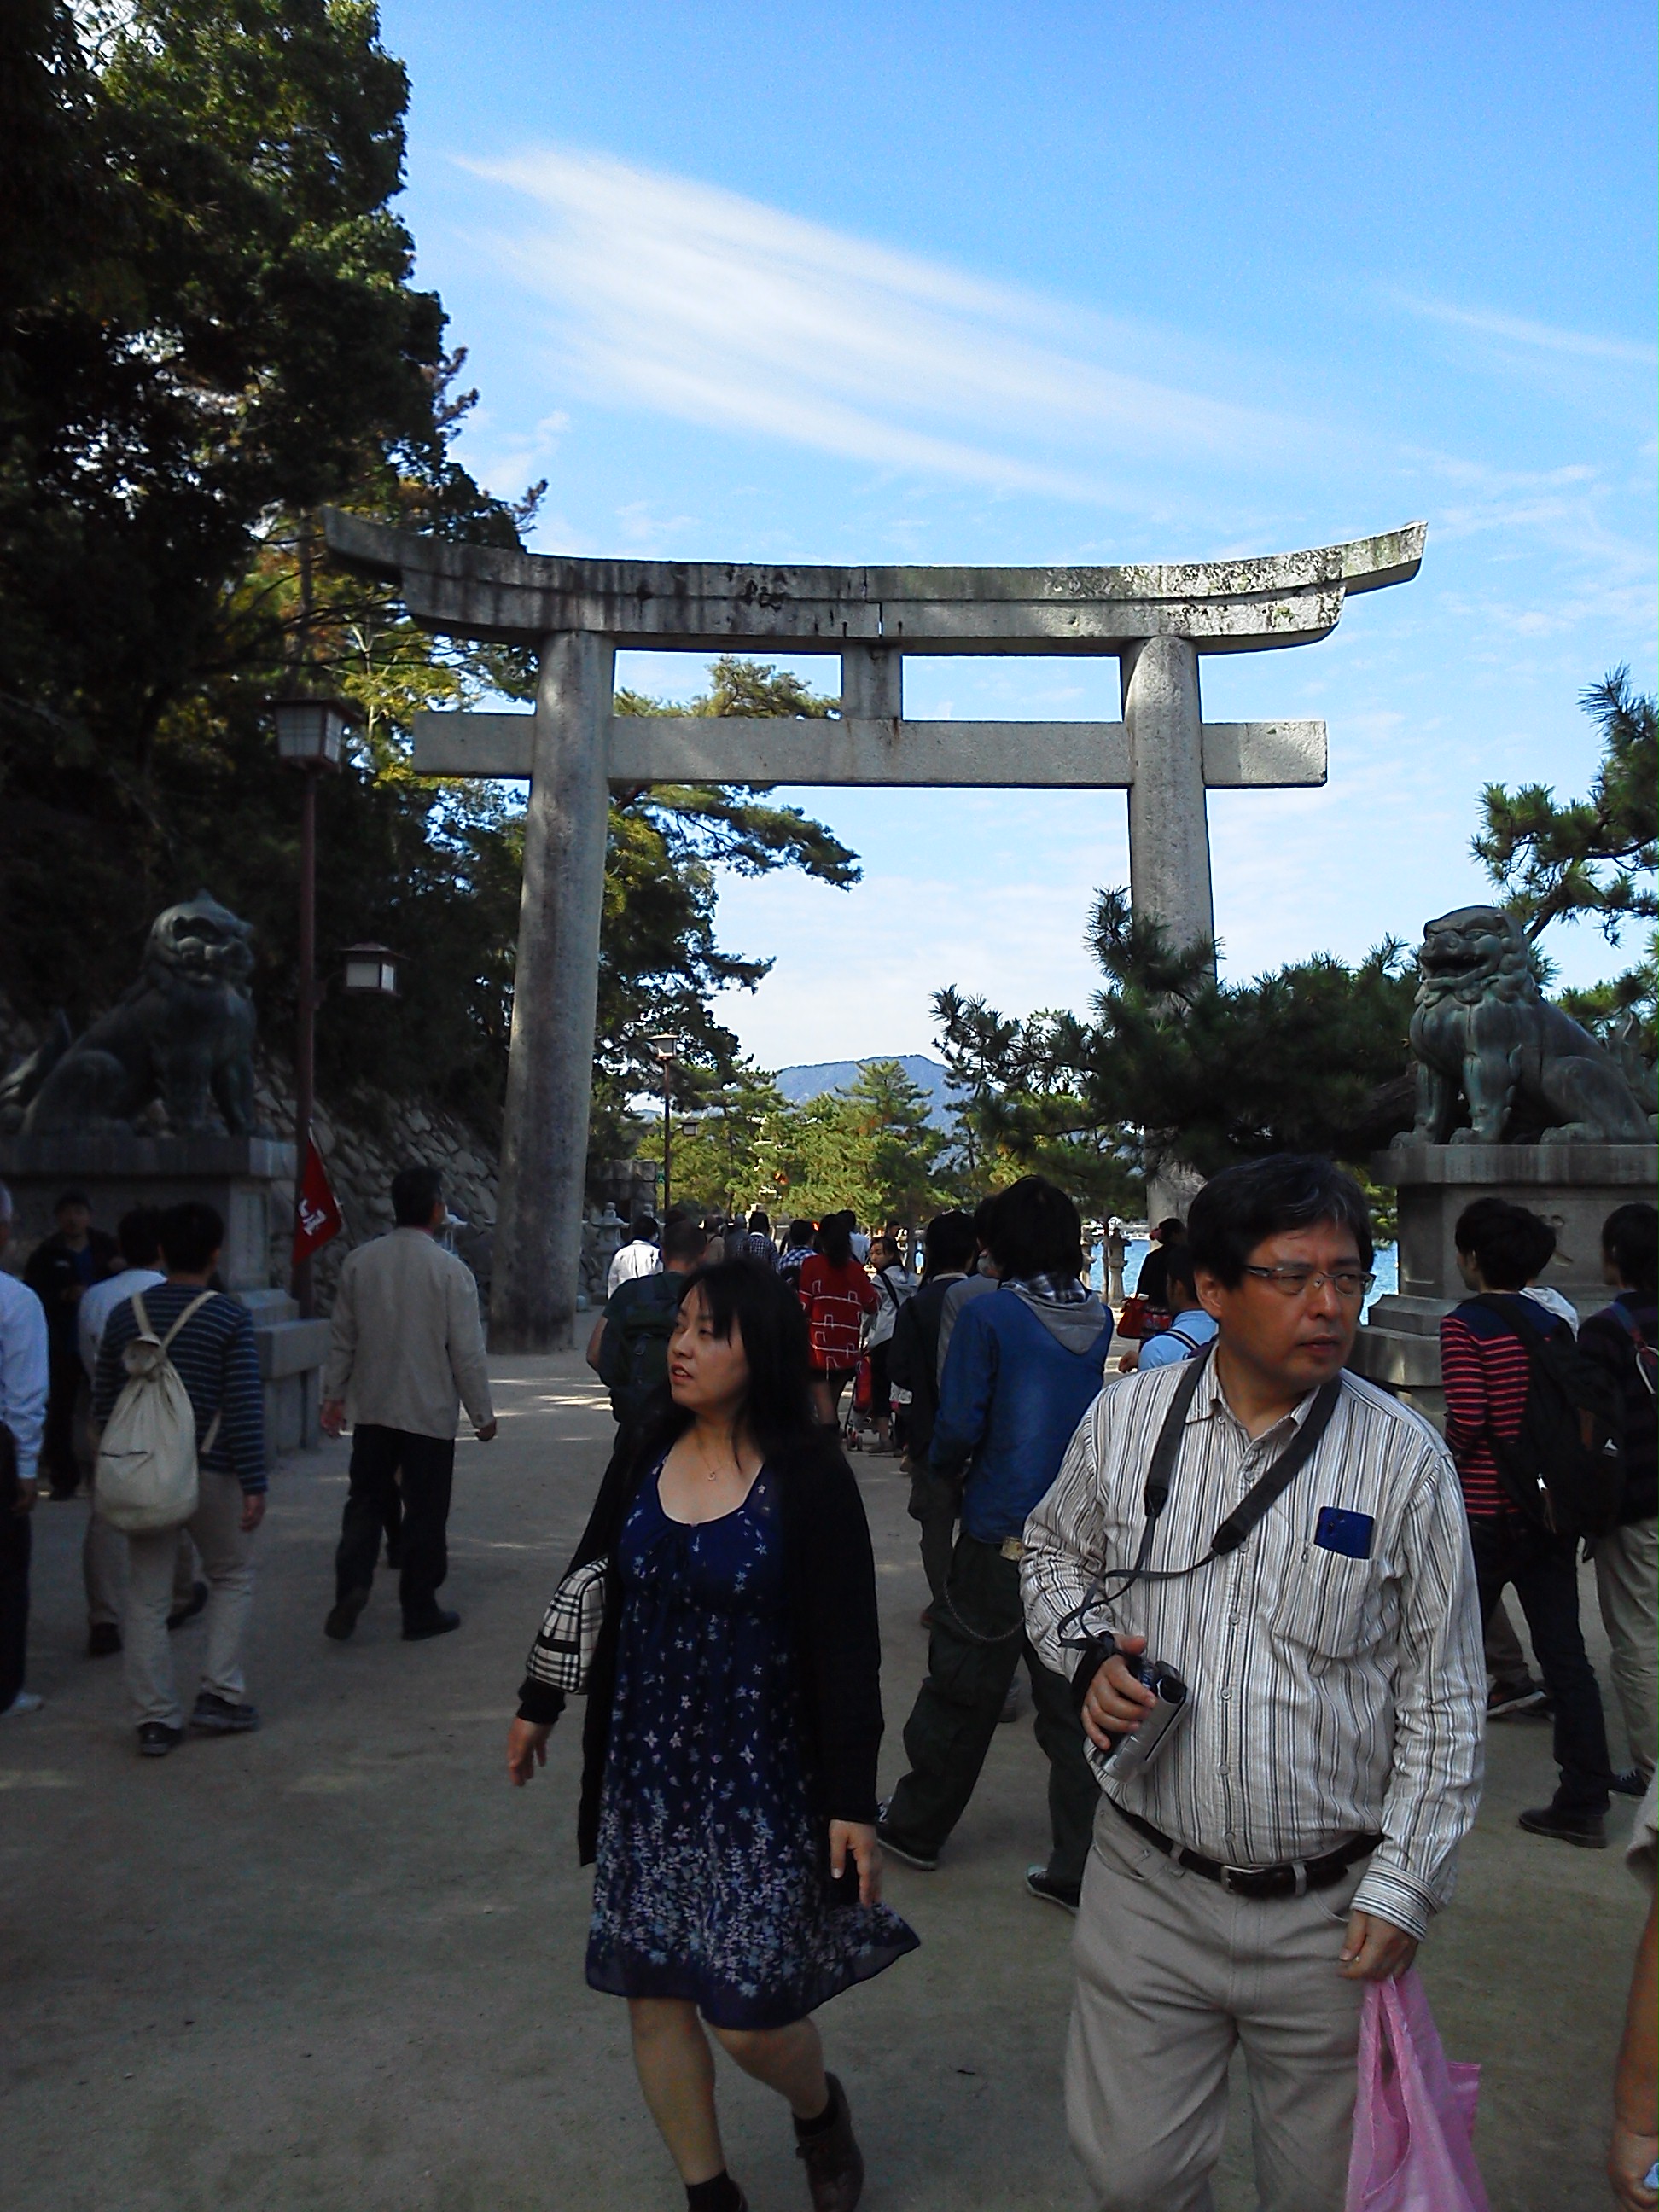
[713,1474]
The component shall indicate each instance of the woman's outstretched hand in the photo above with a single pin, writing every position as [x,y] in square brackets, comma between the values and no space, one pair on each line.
[526,1750]
[860,1838]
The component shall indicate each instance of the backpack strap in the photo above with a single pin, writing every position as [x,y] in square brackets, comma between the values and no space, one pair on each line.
[207,1443]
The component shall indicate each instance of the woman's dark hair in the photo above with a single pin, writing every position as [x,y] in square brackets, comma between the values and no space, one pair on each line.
[1630,1237]
[1034,1230]
[414,1191]
[1508,1243]
[771,1327]
[1242,1206]
[1171,1229]
[947,1244]
[760,1224]
[835,1239]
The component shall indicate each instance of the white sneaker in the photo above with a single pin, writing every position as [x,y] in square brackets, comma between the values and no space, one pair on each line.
[24,1702]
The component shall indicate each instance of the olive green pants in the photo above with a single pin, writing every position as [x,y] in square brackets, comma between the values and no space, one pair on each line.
[978,1640]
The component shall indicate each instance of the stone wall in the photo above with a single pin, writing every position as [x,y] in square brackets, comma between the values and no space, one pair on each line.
[364,1140]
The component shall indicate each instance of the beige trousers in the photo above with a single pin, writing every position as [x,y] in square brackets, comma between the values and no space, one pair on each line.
[104,1569]
[1171,1973]
[227,1567]
[1627,1585]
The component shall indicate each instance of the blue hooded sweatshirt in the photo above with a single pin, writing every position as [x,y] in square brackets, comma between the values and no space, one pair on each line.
[1021,1372]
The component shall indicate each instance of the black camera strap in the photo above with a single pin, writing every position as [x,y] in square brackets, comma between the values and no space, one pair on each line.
[1270,1486]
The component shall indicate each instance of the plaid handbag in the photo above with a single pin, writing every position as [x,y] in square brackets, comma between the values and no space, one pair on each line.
[562,1657]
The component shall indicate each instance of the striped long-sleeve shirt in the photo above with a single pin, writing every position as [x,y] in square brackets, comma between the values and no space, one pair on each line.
[1484,1369]
[218,1364]
[1333,1695]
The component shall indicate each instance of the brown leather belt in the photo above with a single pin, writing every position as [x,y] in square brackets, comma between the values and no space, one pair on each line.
[1294,1879]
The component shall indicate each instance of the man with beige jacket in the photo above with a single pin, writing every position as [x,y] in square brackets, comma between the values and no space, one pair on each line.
[407,1352]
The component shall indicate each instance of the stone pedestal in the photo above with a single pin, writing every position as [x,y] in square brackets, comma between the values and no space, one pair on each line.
[1573,1187]
[249,1182]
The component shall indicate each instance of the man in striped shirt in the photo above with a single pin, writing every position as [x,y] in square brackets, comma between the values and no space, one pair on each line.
[1485,1371]
[218,1364]
[1300,1824]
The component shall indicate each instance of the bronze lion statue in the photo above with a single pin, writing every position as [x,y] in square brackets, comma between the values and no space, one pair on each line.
[183,1034]
[1483,1032]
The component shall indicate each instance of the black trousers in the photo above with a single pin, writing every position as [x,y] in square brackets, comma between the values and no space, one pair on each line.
[1543,1570]
[15,1545]
[977,1641]
[427,1465]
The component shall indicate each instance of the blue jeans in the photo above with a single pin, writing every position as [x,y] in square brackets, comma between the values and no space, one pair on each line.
[1543,1570]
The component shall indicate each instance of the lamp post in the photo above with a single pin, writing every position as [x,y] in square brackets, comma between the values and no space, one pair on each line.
[663,1051]
[310,731]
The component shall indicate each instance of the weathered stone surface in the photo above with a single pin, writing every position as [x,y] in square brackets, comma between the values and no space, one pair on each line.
[1157,619]
[478,590]
[1484,1037]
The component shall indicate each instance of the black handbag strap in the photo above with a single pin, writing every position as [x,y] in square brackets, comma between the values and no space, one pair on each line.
[1270,1486]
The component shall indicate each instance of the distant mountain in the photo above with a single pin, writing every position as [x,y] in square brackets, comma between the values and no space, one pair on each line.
[798,1083]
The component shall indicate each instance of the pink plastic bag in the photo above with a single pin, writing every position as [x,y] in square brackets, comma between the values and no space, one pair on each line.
[1414,2118]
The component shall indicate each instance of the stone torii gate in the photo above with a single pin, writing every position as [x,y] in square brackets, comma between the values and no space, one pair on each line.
[1155,620]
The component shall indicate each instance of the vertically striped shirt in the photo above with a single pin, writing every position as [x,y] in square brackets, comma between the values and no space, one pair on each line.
[1331,1695]
[1485,1370]
[218,1364]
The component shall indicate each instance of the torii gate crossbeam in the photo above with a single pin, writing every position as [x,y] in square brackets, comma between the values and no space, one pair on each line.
[1156,619]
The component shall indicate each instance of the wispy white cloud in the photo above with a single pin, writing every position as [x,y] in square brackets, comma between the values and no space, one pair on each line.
[713,308]
[1523,330]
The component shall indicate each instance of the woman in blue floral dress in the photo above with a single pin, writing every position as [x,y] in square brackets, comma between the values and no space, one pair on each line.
[733,1720]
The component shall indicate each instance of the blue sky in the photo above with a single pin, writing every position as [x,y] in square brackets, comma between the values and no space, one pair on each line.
[1091,283]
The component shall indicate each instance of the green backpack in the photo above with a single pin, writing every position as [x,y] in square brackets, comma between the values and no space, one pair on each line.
[634,1353]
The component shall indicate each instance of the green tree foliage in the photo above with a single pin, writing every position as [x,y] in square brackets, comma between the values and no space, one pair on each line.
[726,1142]
[1595,857]
[1558,860]
[211,328]
[660,964]
[1176,1064]
[871,1147]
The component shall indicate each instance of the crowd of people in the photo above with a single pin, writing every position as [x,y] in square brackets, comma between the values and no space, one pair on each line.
[1258,1602]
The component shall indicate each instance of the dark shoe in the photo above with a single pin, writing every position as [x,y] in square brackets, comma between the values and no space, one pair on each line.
[1628,1784]
[216,1716]
[60,1496]
[915,1855]
[156,1739]
[1511,1698]
[103,1640]
[343,1619]
[437,1624]
[198,1598]
[1042,1884]
[1587,1830]
[833,2162]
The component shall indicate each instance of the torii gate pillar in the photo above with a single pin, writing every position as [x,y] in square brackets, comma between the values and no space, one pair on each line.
[550,1070]
[1156,619]
[1168,817]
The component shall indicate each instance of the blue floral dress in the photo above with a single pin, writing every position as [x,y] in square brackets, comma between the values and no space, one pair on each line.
[712,1881]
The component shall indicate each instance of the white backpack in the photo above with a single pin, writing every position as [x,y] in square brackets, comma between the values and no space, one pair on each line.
[147,1478]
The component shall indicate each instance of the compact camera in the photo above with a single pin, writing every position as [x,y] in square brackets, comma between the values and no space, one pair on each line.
[1133,1754]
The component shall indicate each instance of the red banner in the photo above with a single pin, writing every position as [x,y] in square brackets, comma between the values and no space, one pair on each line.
[320,1215]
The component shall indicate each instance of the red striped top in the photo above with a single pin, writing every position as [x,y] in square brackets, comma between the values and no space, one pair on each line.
[1485,1372]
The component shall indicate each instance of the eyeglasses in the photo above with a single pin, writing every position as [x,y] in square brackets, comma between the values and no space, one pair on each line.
[1296,1282]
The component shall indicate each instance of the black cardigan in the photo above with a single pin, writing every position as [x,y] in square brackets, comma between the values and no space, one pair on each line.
[829,1587]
